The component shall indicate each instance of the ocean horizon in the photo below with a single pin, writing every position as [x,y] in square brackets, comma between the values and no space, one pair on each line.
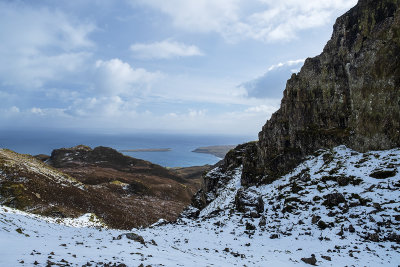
[180,145]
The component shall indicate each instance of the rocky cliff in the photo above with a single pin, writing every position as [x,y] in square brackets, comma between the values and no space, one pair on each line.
[349,94]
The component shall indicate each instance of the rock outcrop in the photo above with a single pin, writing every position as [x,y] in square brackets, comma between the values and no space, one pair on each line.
[219,176]
[349,94]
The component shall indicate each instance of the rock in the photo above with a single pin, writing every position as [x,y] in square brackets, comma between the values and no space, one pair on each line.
[316,198]
[377,206]
[351,229]
[374,237]
[397,217]
[343,181]
[333,199]
[296,188]
[250,227]
[219,176]
[331,214]
[312,260]
[132,236]
[315,219]
[248,201]
[347,95]
[326,258]
[393,237]
[322,225]
[383,174]
[341,232]
[274,236]
[263,221]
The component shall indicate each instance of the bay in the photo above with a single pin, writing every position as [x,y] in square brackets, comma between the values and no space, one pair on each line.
[179,155]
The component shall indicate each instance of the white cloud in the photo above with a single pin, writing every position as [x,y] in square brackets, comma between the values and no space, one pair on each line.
[265,20]
[285,64]
[197,113]
[14,109]
[115,77]
[111,113]
[272,83]
[102,108]
[282,20]
[199,89]
[164,50]
[40,44]
[267,109]
[197,15]
[37,111]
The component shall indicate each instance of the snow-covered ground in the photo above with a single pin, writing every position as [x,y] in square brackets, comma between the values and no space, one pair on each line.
[294,205]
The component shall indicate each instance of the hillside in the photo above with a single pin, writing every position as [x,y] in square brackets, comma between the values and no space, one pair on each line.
[340,205]
[319,187]
[124,192]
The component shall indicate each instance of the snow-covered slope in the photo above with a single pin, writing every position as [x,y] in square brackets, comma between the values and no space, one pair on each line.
[330,206]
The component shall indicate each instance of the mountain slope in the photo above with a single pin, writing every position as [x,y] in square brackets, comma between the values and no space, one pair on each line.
[124,192]
[299,216]
[349,95]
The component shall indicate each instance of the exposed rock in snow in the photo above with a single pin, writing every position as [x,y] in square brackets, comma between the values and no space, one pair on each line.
[362,231]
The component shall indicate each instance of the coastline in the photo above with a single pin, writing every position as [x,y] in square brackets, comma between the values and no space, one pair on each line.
[218,151]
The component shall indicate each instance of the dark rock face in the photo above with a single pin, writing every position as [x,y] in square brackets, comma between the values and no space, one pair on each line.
[249,202]
[219,176]
[347,95]
[334,199]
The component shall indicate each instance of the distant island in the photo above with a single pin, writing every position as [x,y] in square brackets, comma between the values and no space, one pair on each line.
[147,150]
[218,151]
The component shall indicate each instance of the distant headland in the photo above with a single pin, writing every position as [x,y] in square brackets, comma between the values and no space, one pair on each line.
[218,151]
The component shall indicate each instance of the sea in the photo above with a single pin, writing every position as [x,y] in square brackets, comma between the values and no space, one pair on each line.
[180,145]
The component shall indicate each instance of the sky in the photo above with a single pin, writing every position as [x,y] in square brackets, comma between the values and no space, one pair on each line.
[187,66]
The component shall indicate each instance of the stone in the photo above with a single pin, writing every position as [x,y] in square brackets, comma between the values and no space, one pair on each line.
[315,219]
[374,237]
[250,202]
[250,227]
[274,236]
[132,236]
[333,199]
[383,174]
[263,221]
[326,258]
[322,225]
[312,260]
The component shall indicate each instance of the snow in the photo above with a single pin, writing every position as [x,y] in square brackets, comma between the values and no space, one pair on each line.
[226,196]
[223,240]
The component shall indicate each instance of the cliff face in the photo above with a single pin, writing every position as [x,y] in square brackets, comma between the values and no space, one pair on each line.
[349,94]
